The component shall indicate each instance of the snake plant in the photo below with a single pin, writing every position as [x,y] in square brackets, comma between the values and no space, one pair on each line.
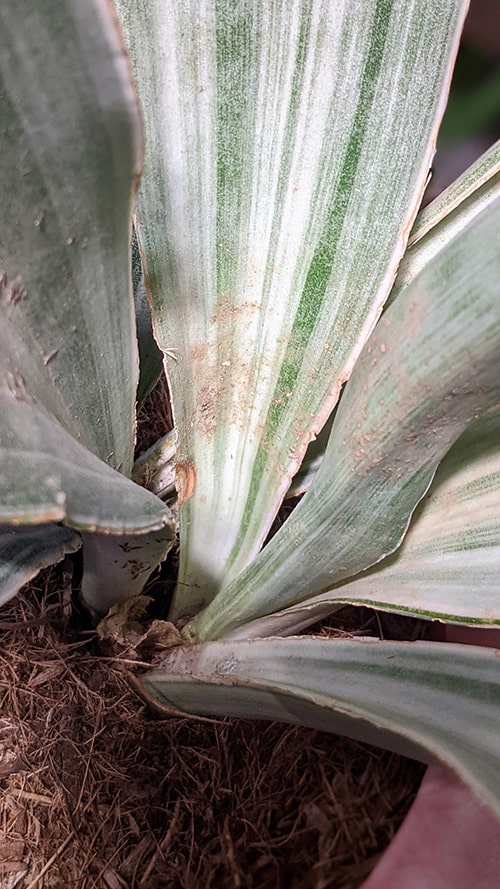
[318,334]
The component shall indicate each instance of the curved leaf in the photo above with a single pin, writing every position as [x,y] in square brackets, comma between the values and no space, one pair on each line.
[448,215]
[447,566]
[288,147]
[484,171]
[25,551]
[430,367]
[47,476]
[70,159]
[428,700]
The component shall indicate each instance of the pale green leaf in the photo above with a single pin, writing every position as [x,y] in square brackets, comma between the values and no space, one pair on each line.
[70,159]
[449,214]
[117,567]
[288,147]
[483,171]
[46,475]
[25,551]
[438,702]
[431,366]
[448,564]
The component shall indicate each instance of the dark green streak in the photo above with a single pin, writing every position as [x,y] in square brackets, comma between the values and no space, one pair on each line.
[324,256]
[322,261]
[234,48]
[293,109]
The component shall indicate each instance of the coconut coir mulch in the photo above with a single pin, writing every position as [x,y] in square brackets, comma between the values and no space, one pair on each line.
[98,792]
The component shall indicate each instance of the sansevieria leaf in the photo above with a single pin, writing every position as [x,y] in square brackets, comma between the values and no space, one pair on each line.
[484,171]
[288,144]
[429,700]
[448,564]
[70,160]
[118,566]
[46,475]
[430,368]
[25,551]
[449,214]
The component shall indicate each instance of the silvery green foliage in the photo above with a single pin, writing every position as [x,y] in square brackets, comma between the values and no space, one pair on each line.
[287,148]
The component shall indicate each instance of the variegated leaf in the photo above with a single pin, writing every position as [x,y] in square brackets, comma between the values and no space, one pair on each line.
[447,567]
[70,160]
[25,551]
[432,701]
[434,227]
[117,567]
[449,214]
[47,476]
[431,366]
[288,147]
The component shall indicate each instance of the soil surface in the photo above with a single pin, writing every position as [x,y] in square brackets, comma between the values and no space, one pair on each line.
[99,792]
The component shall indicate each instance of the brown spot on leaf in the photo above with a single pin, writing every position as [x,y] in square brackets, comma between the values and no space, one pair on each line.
[185,479]
[206,409]
[15,293]
[17,387]
[227,312]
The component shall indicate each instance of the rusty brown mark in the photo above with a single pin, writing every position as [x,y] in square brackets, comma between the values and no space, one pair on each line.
[185,479]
